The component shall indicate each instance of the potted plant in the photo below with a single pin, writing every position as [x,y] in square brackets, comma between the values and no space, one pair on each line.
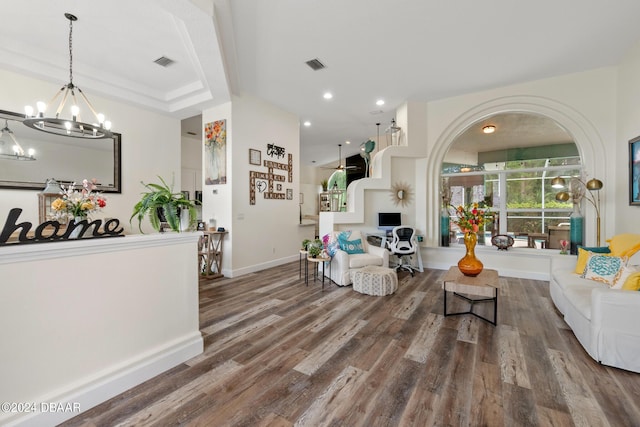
[325,184]
[315,248]
[161,200]
[305,243]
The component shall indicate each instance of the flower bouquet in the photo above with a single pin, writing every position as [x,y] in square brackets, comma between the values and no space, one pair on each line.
[471,218]
[78,203]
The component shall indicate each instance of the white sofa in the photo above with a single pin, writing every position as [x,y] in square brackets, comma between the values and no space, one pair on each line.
[604,320]
[342,263]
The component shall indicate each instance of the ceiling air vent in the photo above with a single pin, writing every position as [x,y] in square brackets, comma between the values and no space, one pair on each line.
[315,64]
[164,61]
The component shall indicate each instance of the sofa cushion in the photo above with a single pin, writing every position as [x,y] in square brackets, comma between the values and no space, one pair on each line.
[604,268]
[625,244]
[580,297]
[362,260]
[566,279]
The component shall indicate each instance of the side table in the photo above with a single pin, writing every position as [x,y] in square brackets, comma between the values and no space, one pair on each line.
[210,254]
[314,261]
[303,254]
[484,284]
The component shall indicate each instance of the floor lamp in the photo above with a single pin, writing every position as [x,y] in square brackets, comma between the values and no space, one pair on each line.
[577,190]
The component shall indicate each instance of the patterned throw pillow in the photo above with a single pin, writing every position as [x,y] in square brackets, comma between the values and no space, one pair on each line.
[333,248]
[350,246]
[584,254]
[626,271]
[603,268]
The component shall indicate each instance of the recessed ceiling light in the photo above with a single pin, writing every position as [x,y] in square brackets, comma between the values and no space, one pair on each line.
[489,129]
[347,142]
[380,102]
[327,95]
[307,123]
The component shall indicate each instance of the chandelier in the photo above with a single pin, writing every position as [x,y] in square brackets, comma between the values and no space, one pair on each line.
[18,152]
[74,127]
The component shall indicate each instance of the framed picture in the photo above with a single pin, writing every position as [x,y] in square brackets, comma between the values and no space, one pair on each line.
[634,171]
[215,151]
[199,196]
[255,157]
[289,194]
[185,193]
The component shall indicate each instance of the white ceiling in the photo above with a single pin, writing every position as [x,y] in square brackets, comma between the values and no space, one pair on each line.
[397,50]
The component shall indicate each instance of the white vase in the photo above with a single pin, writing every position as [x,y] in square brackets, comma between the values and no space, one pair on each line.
[184,220]
[76,231]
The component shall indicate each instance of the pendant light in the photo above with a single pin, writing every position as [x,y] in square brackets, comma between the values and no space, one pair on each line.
[74,126]
[10,148]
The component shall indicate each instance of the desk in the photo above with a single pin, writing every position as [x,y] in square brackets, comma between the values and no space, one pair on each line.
[210,254]
[484,284]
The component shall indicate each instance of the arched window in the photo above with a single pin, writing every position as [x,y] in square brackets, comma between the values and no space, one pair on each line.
[510,171]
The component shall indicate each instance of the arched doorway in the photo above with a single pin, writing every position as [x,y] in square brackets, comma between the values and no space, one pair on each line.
[586,139]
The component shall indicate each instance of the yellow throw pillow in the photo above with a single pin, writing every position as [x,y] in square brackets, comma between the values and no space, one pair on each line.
[625,244]
[632,283]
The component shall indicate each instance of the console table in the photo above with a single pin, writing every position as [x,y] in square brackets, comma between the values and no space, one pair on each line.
[210,254]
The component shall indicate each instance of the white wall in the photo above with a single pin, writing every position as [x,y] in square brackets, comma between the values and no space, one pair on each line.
[628,114]
[150,147]
[267,233]
[88,319]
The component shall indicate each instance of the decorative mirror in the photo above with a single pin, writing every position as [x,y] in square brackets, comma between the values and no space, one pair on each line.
[401,193]
[66,159]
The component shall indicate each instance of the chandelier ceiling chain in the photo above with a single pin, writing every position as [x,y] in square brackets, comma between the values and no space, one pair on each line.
[74,127]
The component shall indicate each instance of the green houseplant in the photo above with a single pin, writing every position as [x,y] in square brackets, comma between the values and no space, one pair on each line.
[160,200]
[315,248]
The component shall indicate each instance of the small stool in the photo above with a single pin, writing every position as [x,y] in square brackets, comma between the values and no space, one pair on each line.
[374,280]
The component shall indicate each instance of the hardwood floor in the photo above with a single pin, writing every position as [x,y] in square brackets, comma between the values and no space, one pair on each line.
[279,353]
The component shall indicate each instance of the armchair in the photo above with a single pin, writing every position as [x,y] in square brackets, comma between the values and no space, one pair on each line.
[343,262]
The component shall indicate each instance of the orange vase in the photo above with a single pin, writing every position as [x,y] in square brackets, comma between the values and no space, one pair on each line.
[469,265]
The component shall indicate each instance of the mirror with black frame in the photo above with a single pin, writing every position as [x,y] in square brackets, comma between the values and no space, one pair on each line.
[66,159]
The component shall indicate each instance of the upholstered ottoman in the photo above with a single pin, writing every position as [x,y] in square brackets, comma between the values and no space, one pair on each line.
[374,280]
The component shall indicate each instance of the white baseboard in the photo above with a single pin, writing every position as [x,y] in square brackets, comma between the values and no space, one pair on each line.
[111,383]
[260,267]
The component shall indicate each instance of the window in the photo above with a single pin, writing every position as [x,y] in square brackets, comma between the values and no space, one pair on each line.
[512,176]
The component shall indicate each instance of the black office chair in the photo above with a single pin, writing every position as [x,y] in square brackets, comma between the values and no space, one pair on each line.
[403,245]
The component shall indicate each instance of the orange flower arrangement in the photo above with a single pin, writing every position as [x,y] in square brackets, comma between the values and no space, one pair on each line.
[471,218]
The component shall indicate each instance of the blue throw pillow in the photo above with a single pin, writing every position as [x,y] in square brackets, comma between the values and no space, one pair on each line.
[350,246]
[597,249]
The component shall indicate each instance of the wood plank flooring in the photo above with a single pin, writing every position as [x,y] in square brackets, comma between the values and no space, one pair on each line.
[279,353]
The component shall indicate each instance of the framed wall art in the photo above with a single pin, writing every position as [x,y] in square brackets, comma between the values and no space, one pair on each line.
[215,144]
[255,157]
[634,171]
